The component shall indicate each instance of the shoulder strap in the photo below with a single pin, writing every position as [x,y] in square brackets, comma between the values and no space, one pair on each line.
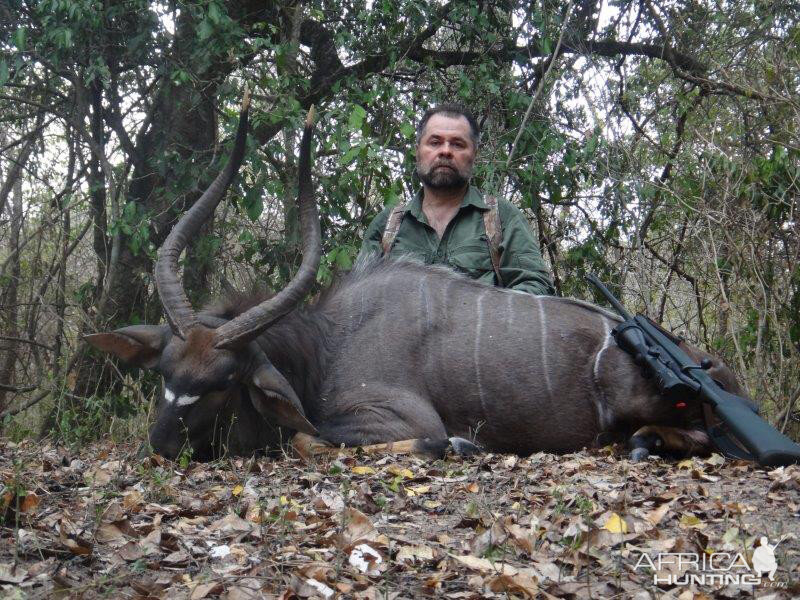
[392,227]
[494,234]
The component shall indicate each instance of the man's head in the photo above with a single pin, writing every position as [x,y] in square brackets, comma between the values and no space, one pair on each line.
[447,142]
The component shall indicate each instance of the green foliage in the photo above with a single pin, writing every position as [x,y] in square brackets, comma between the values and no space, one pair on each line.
[78,426]
[133,223]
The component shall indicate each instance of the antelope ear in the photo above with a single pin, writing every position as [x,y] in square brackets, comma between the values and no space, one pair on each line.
[277,402]
[138,345]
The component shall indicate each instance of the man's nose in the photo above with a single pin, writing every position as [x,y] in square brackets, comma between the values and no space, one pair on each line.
[445,150]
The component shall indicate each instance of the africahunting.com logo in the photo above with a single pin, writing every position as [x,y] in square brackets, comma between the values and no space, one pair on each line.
[715,568]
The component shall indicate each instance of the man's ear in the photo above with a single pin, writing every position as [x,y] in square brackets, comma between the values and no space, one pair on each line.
[276,401]
[138,345]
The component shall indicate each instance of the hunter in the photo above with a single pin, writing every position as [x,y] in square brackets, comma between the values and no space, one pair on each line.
[450,221]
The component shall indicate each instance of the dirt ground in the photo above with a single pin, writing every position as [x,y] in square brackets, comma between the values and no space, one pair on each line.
[105,523]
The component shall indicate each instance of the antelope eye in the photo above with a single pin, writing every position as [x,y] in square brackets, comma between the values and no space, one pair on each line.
[222,384]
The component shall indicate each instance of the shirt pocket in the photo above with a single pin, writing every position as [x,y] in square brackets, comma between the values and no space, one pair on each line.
[403,249]
[473,259]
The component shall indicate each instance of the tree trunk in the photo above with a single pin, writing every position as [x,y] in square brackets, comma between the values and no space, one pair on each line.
[9,348]
[183,132]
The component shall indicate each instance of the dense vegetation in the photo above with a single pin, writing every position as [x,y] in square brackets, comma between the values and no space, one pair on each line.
[655,144]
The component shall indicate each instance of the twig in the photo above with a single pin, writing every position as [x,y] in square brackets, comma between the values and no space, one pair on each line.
[11,338]
[14,411]
[539,88]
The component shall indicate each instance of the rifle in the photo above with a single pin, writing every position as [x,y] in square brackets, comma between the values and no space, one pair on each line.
[679,379]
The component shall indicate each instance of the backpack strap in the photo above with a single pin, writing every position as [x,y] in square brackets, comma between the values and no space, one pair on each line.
[392,227]
[494,234]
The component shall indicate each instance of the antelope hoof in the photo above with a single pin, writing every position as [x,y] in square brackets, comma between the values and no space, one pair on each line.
[464,447]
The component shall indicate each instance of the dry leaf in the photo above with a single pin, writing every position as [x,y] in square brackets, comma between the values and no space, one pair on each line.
[357,528]
[29,503]
[203,590]
[656,515]
[519,584]
[72,541]
[366,559]
[485,566]
[399,471]
[245,589]
[132,500]
[616,524]
[413,553]
[109,533]
[231,524]
[131,552]
[178,558]
[362,470]
[12,574]
[690,521]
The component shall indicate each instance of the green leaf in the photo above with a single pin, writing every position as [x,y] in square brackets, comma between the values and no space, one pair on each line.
[20,37]
[3,72]
[253,204]
[407,129]
[356,118]
[349,156]
[205,30]
[343,260]
[214,14]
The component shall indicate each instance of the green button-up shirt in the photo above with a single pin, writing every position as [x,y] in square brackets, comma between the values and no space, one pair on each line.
[464,245]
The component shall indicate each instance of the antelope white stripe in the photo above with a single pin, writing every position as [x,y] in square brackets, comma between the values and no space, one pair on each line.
[423,295]
[184,400]
[476,355]
[604,415]
[606,344]
[187,400]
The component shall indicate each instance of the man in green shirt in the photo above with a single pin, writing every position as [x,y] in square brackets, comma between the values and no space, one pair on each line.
[445,223]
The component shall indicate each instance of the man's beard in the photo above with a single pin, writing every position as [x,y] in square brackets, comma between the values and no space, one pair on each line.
[443,179]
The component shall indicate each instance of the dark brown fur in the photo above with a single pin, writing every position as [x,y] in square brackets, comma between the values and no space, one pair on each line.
[397,350]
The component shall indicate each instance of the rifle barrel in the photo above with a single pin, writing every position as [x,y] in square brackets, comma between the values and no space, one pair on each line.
[609,296]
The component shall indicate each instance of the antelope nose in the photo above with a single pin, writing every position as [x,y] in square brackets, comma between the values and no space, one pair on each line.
[163,443]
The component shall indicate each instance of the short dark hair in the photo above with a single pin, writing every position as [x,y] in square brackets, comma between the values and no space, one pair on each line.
[453,111]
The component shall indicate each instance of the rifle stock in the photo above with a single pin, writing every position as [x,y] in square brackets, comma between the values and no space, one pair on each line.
[769,446]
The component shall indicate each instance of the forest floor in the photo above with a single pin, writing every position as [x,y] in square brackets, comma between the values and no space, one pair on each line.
[103,522]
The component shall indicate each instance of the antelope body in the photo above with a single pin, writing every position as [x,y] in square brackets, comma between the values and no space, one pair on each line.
[394,350]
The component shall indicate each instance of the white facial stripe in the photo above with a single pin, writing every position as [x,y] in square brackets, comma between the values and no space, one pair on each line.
[186,400]
[169,396]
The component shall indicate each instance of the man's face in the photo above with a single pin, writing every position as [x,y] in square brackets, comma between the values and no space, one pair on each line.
[445,153]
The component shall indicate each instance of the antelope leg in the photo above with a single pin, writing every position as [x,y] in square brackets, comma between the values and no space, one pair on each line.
[672,441]
[307,446]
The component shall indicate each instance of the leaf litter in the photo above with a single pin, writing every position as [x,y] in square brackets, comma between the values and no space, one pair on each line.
[355,525]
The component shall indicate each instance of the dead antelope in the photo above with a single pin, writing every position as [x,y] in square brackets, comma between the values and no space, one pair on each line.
[394,350]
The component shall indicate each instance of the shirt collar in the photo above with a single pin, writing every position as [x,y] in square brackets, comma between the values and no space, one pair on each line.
[473,197]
